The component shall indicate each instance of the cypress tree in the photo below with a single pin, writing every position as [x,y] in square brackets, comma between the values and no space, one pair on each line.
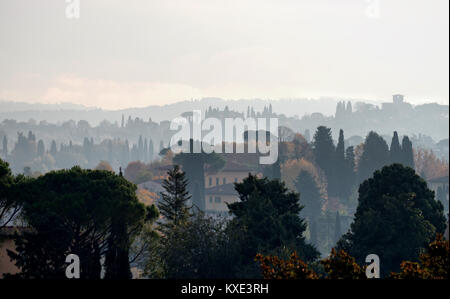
[396,150]
[374,157]
[53,149]
[324,153]
[339,170]
[407,151]
[340,148]
[349,109]
[40,148]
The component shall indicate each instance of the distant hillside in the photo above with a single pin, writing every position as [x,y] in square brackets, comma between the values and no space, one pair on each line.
[299,115]
[55,113]
[8,106]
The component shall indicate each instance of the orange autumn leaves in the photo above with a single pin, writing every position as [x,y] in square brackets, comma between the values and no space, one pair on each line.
[273,267]
[433,264]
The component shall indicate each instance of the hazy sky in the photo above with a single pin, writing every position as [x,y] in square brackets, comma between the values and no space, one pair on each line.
[151,52]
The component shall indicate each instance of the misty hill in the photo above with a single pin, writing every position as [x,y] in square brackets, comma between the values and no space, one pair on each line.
[9,106]
[54,113]
[356,117]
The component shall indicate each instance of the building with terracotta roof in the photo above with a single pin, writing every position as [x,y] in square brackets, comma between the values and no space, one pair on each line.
[219,185]
[217,198]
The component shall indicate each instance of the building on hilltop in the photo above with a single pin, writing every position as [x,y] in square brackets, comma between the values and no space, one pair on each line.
[398,105]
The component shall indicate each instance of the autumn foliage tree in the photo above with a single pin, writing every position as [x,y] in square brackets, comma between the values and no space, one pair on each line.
[272,267]
[292,168]
[341,265]
[104,165]
[433,264]
[428,165]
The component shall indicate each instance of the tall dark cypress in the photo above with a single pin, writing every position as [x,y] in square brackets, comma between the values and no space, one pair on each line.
[324,154]
[395,151]
[374,157]
[407,152]
[339,170]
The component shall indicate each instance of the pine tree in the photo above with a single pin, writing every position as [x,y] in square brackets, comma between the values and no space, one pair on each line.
[407,151]
[173,203]
[268,215]
[396,150]
[392,202]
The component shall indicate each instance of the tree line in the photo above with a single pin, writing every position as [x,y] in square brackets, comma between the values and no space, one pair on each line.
[96,215]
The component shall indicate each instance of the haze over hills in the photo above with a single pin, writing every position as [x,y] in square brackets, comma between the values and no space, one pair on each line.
[299,115]
[55,113]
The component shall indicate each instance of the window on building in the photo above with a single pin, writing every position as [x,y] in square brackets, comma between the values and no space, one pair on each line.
[210,181]
[210,199]
[235,180]
[224,181]
[218,199]
[217,181]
